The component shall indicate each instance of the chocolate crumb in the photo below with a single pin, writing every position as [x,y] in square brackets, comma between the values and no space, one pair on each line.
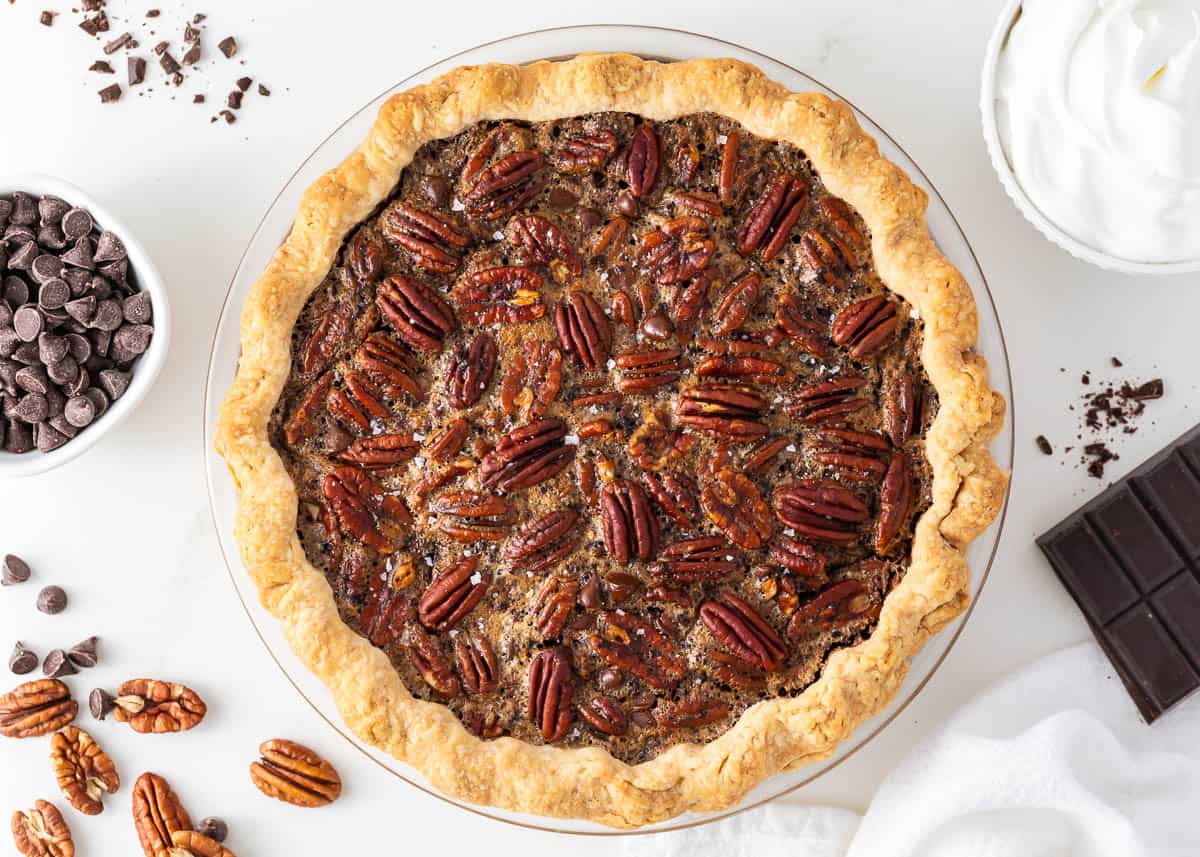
[137,70]
[110,94]
[243,83]
[198,98]
[234,100]
[1100,455]
[1044,445]
[47,18]
[263,91]
[228,46]
[102,67]
[199,18]
[1085,379]
[152,13]
[1116,362]
[228,116]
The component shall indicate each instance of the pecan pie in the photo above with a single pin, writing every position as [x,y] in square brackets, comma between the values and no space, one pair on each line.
[609,433]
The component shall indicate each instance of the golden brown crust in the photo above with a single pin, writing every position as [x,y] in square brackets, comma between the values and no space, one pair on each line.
[774,735]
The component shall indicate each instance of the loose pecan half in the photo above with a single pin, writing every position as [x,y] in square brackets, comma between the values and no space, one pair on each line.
[807,333]
[754,370]
[157,815]
[449,442]
[453,594]
[692,713]
[644,155]
[380,452]
[699,560]
[551,683]
[42,832]
[506,185]
[553,604]
[605,715]
[477,664]
[677,251]
[416,312]
[827,401]
[798,556]
[723,410]
[388,609]
[472,371]
[527,456]
[827,255]
[855,454]
[357,403]
[543,243]
[745,633]
[585,153]
[472,516]
[735,672]
[676,494]
[630,526]
[387,363]
[583,329]
[294,774]
[36,708]
[895,502]
[645,367]
[866,326]
[426,655]
[430,238]
[359,504]
[508,294]
[189,843]
[769,222]
[901,408]
[83,770]
[737,304]
[836,605]
[736,507]
[303,422]
[630,643]
[545,541]
[364,255]
[822,511]
[149,705]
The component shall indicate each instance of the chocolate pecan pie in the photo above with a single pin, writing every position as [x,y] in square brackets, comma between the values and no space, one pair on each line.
[609,433]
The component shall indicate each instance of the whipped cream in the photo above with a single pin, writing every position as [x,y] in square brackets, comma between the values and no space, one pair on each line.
[1098,108]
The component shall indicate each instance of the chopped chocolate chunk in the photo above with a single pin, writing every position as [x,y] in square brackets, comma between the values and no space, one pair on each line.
[152,13]
[1145,392]
[169,64]
[97,23]
[1044,445]
[198,98]
[199,18]
[243,83]
[102,67]
[228,46]
[137,70]
[228,116]
[47,18]
[234,99]
[193,54]
[190,33]
[110,93]
[161,48]
[118,43]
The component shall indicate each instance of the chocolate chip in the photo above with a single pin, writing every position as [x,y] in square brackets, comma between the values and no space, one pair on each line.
[560,197]
[110,94]
[82,309]
[21,259]
[16,290]
[14,570]
[109,248]
[137,308]
[589,219]
[22,660]
[24,211]
[8,341]
[109,315]
[45,268]
[657,326]
[234,100]
[33,379]
[51,238]
[58,664]
[610,679]
[81,254]
[136,69]
[102,67]
[46,437]
[78,279]
[6,210]
[83,653]
[27,322]
[8,375]
[27,353]
[626,204]
[116,271]
[79,346]
[55,402]
[115,383]
[18,438]
[63,427]
[52,600]
[132,339]
[80,411]
[101,340]
[54,294]
[214,828]
[98,397]
[30,408]
[101,702]
[51,210]
[64,371]
[228,46]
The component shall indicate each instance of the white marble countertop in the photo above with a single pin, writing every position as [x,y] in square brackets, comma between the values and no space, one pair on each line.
[126,528]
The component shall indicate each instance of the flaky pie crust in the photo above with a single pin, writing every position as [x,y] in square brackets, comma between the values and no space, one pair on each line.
[773,735]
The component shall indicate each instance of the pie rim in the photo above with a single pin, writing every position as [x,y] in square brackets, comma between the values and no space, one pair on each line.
[773,735]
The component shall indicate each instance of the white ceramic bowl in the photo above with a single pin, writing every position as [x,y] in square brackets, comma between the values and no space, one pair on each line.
[991,134]
[145,371]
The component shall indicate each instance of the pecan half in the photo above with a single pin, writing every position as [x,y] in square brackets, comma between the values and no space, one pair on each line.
[676,494]
[42,832]
[449,442]
[477,665]
[644,155]
[755,370]
[83,770]
[527,456]
[734,504]
[632,644]
[506,185]
[328,335]
[472,371]
[697,203]
[630,526]
[840,217]
[692,713]
[807,333]
[689,306]
[36,708]
[508,294]
[149,705]
[416,312]
[605,715]
[735,672]
[677,251]
[453,595]
[553,604]
[426,655]
[544,542]
[157,814]
[585,153]
[827,255]
[357,402]
[359,505]
[699,560]
[737,304]
[866,326]
[380,452]
[821,511]
[303,422]
[745,633]
[294,774]
[388,364]
[901,408]
[685,162]
[855,454]
[837,604]
[769,222]
[759,459]
[798,556]
[727,177]
[364,255]
[189,843]
[472,516]
[388,609]
[645,367]
[583,329]
[429,238]
[551,683]
[544,243]
[826,401]
[723,410]
[895,502]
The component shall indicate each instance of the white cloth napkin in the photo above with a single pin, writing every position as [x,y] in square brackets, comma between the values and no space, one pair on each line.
[1050,762]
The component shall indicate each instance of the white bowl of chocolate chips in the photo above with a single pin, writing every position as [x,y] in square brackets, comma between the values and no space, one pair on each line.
[84,323]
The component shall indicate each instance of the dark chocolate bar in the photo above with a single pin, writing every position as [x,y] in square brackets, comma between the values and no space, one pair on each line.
[1131,560]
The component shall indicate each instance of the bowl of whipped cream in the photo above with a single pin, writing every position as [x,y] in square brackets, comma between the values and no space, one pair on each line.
[1091,113]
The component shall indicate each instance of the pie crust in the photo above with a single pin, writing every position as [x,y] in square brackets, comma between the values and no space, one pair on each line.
[774,735]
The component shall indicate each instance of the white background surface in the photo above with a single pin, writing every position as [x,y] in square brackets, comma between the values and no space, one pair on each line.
[126,529]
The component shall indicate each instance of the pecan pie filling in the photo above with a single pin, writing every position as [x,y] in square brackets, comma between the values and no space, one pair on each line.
[606,429]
